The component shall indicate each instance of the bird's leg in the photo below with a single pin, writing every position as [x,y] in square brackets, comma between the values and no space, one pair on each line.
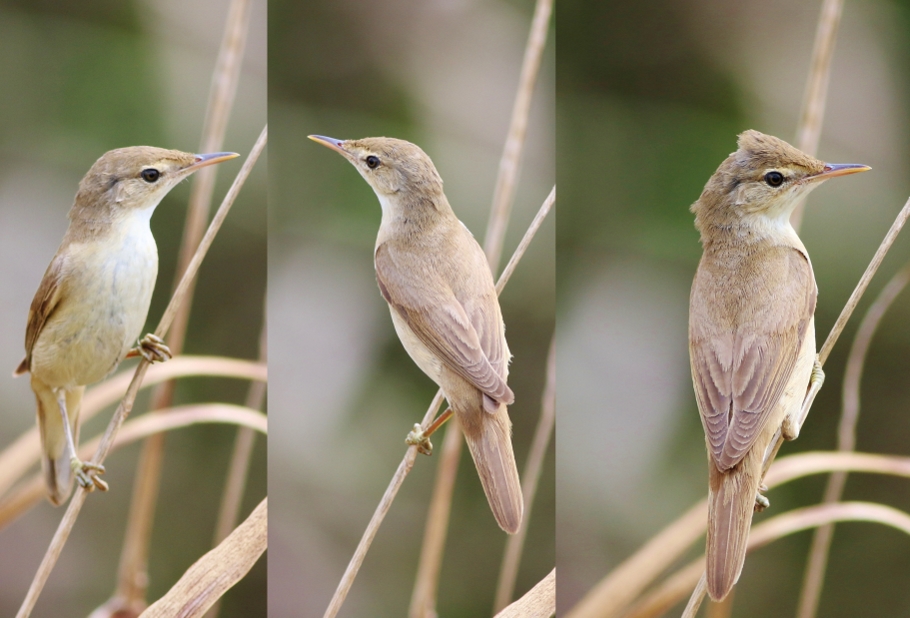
[86,472]
[789,429]
[792,425]
[761,502]
[420,437]
[152,348]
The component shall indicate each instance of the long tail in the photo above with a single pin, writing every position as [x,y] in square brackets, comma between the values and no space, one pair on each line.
[56,454]
[489,438]
[731,502]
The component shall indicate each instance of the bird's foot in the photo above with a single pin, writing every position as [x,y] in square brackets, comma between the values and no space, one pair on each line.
[87,474]
[152,348]
[418,438]
[761,502]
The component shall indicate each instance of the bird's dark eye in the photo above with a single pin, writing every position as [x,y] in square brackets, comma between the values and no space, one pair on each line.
[372,162]
[150,174]
[775,179]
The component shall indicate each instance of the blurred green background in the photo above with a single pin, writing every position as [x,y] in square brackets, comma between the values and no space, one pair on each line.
[78,79]
[650,98]
[343,392]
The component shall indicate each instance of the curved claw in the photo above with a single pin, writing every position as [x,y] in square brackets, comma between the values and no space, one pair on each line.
[761,502]
[152,348]
[87,474]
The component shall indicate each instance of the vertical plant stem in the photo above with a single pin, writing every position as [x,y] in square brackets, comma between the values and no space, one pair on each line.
[514,546]
[132,578]
[235,484]
[225,79]
[509,164]
[126,405]
[423,599]
[813,113]
[821,540]
[697,596]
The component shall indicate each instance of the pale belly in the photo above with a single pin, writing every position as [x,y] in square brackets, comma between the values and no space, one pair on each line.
[102,313]
[791,400]
[428,362]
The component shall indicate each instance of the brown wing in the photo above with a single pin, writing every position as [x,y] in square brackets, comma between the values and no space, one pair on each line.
[744,339]
[46,299]
[464,338]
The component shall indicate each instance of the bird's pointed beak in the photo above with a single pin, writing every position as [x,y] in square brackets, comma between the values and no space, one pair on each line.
[839,169]
[210,159]
[330,142]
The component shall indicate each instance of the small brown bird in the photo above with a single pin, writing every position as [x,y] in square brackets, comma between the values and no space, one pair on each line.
[93,301]
[444,306]
[751,330]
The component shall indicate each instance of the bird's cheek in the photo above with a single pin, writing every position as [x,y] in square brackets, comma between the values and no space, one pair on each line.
[741,195]
[120,191]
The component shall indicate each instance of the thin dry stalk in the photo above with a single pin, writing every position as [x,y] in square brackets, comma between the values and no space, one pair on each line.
[510,163]
[526,240]
[538,602]
[514,546]
[31,491]
[813,516]
[695,600]
[813,113]
[111,390]
[213,574]
[53,552]
[17,458]
[674,589]
[225,79]
[423,599]
[821,540]
[126,405]
[407,463]
[820,462]
[184,416]
[132,578]
[235,484]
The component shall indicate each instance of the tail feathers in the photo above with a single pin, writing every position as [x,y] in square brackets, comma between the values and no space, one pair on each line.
[56,454]
[731,502]
[491,447]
